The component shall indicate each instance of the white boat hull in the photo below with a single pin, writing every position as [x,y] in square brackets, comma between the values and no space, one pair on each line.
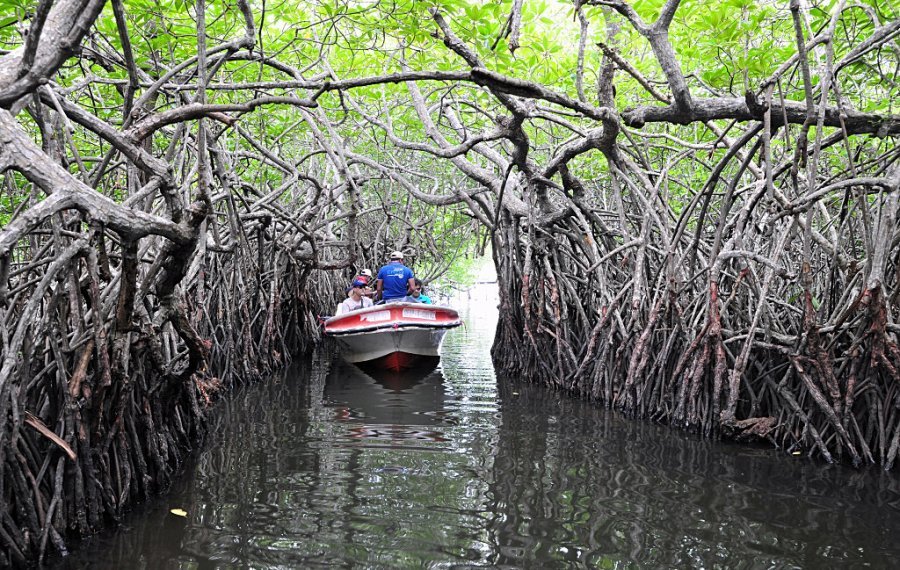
[363,347]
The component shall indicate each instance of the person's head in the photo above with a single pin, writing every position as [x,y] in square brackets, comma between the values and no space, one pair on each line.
[365,273]
[397,256]
[418,289]
[356,288]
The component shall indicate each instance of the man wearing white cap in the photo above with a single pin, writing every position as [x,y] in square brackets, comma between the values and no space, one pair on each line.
[394,279]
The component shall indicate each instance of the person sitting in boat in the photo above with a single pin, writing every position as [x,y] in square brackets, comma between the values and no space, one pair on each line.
[355,299]
[394,280]
[417,295]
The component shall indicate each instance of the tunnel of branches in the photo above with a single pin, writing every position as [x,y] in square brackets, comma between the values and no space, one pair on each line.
[692,210]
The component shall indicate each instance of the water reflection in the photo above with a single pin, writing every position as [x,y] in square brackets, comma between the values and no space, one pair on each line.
[383,404]
[603,491]
[334,466]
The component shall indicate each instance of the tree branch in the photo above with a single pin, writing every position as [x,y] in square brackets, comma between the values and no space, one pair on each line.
[65,26]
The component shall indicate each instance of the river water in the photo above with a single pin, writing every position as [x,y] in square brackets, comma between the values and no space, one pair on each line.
[328,466]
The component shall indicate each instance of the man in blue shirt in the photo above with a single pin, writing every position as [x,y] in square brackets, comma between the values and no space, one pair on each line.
[394,279]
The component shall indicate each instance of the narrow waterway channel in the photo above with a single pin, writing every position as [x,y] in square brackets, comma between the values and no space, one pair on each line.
[327,466]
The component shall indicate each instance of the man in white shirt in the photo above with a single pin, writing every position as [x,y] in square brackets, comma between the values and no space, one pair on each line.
[355,299]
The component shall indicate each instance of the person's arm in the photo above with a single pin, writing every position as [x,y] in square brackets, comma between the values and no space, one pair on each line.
[379,285]
[410,284]
[341,309]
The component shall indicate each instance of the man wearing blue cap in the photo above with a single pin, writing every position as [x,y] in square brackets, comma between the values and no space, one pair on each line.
[355,299]
[394,280]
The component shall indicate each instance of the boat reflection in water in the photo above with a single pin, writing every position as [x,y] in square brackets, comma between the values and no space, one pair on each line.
[387,406]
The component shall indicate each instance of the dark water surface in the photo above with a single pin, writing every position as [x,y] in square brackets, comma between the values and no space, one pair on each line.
[328,466]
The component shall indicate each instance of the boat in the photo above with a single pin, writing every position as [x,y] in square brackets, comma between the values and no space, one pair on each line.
[393,336]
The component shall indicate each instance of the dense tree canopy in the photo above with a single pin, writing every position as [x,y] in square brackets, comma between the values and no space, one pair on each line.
[692,207]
